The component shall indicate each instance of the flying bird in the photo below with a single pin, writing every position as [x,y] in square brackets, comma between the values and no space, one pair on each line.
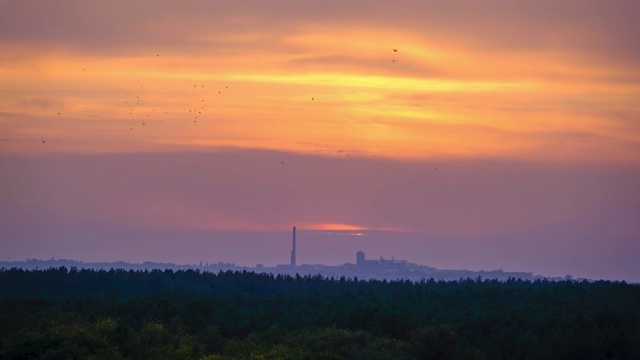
[395,50]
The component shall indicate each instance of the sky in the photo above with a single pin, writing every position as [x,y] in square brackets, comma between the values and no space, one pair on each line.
[459,134]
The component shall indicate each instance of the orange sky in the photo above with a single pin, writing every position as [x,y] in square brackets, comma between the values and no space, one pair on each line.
[319,84]
[506,128]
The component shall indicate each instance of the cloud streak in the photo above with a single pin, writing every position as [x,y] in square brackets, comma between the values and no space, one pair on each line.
[499,61]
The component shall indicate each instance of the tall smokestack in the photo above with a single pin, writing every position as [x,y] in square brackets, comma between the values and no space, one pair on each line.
[293,251]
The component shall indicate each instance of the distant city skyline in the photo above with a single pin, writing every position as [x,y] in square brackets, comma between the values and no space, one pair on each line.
[362,268]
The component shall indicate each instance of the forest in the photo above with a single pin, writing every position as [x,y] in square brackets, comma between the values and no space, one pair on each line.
[61,313]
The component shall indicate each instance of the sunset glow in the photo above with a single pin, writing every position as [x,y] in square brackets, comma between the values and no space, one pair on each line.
[449,119]
[330,226]
[379,91]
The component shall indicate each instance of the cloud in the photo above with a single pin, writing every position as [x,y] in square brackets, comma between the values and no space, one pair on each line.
[592,30]
[474,80]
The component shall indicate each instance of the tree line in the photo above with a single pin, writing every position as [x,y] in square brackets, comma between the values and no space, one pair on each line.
[188,314]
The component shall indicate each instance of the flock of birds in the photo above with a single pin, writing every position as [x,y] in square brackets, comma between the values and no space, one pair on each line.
[137,107]
[143,113]
[146,107]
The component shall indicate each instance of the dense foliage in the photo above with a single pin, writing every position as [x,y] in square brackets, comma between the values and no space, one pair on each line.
[117,314]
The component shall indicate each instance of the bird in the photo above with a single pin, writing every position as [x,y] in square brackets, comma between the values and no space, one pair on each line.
[395,50]
[43,141]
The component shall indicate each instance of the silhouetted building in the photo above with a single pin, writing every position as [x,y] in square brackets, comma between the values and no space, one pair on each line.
[362,261]
[393,263]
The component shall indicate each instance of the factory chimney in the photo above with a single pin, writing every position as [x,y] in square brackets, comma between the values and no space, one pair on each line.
[293,251]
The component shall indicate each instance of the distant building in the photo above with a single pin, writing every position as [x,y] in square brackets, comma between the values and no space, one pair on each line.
[387,269]
[362,261]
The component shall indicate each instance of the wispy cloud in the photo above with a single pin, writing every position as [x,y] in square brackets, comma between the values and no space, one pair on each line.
[415,80]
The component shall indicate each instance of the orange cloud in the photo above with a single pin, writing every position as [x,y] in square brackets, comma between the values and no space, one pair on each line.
[356,229]
[333,87]
[332,226]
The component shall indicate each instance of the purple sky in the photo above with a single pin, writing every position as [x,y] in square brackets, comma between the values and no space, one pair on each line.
[238,206]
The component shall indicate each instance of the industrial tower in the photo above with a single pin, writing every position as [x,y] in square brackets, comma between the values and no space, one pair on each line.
[293,251]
